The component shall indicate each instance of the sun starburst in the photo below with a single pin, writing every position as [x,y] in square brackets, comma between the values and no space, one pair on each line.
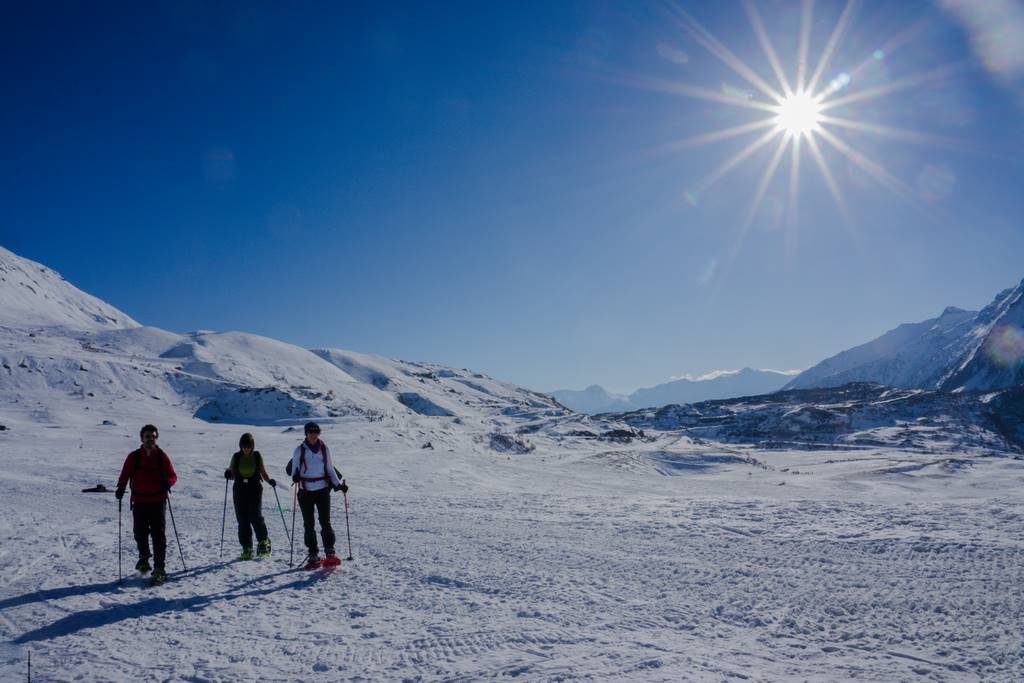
[798,114]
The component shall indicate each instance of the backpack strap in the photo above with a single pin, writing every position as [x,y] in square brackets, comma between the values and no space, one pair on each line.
[234,465]
[302,465]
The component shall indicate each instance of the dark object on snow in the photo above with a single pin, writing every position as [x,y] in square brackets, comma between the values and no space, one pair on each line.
[428,445]
[98,488]
[176,537]
[348,533]
[3,428]
[224,516]
[281,510]
[120,574]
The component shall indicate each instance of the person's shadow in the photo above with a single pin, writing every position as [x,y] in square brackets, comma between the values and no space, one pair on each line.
[94,618]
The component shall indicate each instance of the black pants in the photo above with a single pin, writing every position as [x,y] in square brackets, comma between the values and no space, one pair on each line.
[248,499]
[322,501]
[148,520]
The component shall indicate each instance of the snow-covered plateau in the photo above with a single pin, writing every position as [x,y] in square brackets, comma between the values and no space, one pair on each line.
[859,533]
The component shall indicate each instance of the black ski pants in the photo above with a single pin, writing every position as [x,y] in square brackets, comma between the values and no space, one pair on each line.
[248,499]
[321,500]
[148,520]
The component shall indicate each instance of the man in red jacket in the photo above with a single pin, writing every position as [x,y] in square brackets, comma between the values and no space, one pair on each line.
[151,475]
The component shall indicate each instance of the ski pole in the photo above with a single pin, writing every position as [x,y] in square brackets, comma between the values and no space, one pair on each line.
[223,520]
[281,510]
[348,533]
[120,574]
[291,541]
[175,527]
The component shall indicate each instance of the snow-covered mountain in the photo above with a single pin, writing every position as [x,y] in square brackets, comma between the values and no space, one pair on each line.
[593,400]
[959,350]
[32,294]
[66,353]
[715,385]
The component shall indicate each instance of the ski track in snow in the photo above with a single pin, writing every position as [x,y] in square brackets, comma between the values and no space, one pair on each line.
[471,567]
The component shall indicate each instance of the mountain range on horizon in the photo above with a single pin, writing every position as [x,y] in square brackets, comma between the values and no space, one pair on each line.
[236,376]
[720,384]
[959,350]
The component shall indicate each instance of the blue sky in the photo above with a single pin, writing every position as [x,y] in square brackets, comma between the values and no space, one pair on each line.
[486,185]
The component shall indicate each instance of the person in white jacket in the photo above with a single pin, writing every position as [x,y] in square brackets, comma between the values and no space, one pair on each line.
[313,472]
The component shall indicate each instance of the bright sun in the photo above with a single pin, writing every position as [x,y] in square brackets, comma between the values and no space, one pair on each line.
[798,115]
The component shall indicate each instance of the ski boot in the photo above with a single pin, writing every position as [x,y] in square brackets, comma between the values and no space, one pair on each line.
[246,553]
[142,566]
[263,548]
[312,561]
[331,560]
[159,577]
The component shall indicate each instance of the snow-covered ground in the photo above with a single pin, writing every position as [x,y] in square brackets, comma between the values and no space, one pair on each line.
[656,560]
[496,534]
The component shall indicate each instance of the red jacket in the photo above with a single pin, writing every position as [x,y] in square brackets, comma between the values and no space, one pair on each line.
[150,478]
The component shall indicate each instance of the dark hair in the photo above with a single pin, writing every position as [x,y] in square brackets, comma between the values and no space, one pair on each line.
[148,428]
[246,440]
[312,427]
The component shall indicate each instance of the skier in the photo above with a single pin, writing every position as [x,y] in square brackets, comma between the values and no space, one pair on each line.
[313,472]
[151,475]
[247,470]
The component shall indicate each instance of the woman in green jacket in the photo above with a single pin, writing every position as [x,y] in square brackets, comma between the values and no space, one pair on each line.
[247,470]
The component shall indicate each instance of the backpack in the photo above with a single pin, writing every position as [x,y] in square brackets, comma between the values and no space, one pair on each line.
[302,465]
[238,456]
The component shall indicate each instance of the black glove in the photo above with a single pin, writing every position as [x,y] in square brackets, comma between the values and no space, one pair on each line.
[227,473]
[119,494]
[272,482]
[344,487]
[295,478]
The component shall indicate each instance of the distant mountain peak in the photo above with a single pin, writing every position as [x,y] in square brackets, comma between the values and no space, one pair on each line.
[960,349]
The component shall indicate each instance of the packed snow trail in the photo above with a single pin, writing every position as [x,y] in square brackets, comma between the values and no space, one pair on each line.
[546,567]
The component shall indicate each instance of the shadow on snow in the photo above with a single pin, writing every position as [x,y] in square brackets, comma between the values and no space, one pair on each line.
[104,616]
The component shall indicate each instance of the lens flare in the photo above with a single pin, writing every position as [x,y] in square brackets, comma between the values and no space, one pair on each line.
[1006,346]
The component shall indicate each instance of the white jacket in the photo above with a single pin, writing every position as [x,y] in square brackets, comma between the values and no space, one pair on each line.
[314,468]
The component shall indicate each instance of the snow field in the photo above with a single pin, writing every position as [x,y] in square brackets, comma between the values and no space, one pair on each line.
[550,566]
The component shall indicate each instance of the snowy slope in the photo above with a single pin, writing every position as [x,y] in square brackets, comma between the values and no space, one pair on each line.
[33,295]
[89,374]
[431,389]
[914,355]
[956,351]
[995,358]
